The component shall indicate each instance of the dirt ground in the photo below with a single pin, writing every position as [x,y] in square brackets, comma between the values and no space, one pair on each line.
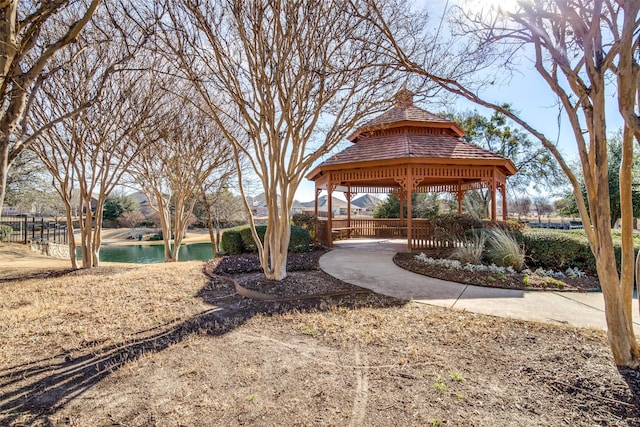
[174,345]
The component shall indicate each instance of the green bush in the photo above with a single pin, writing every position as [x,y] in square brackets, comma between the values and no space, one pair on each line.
[300,238]
[5,232]
[247,237]
[298,242]
[306,221]
[155,238]
[559,250]
[231,241]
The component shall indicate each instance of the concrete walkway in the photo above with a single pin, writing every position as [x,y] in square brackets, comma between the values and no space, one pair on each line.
[369,264]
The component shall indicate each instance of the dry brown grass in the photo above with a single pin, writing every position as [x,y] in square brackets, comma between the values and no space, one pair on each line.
[139,345]
[52,315]
[17,260]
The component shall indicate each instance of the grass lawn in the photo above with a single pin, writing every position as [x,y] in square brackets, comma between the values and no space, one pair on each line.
[167,345]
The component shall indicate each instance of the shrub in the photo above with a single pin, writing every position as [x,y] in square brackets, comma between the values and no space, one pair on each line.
[452,226]
[231,241]
[155,237]
[559,250]
[300,238]
[504,250]
[5,232]
[471,249]
[306,221]
[298,242]
[247,237]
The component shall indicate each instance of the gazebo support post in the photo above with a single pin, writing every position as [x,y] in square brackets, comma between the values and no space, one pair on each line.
[315,210]
[329,213]
[494,188]
[348,196]
[460,198]
[409,193]
[504,202]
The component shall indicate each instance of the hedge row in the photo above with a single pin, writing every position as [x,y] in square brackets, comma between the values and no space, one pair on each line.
[240,240]
[559,250]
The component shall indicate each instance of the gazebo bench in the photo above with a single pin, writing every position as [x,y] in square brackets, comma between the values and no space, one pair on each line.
[341,232]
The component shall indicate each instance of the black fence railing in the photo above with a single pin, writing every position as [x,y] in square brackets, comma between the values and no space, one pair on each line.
[25,229]
[572,225]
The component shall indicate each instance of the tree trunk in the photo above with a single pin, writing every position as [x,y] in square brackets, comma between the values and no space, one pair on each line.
[96,234]
[70,236]
[165,225]
[615,288]
[4,168]
[626,225]
[179,228]
[212,232]
[620,332]
[276,243]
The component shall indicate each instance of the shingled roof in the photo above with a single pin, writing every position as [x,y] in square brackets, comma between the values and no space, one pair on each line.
[406,131]
[403,146]
[405,113]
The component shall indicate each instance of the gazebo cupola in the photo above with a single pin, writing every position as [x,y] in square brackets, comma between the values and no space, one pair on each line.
[408,150]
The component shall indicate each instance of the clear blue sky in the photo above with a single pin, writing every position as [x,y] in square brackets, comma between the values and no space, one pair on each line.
[526,92]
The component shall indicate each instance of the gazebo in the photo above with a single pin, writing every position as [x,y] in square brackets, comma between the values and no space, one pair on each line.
[403,151]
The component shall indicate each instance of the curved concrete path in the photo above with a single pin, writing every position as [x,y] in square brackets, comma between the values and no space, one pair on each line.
[369,264]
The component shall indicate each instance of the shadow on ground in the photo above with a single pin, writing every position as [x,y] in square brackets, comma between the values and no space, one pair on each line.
[632,378]
[33,391]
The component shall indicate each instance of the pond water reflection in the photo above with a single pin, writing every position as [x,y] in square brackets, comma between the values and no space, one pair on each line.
[151,254]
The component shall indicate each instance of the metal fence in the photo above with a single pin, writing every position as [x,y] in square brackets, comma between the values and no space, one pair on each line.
[572,225]
[26,229]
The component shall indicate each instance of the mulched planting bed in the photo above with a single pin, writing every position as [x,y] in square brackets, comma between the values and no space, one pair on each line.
[249,263]
[409,262]
[303,278]
[308,283]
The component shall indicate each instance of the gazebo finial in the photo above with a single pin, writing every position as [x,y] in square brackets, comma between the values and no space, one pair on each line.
[404,98]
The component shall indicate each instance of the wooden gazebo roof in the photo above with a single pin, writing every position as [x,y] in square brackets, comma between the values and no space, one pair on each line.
[407,134]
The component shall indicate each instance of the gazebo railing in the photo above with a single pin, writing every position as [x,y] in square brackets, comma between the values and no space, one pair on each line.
[423,235]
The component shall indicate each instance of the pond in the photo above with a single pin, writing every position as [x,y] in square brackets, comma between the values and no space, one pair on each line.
[151,254]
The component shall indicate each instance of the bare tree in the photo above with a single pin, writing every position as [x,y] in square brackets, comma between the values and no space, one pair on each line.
[88,152]
[542,206]
[31,34]
[294,77]
[580,49]
[130,219]
[182,152]
[521,206]
[220,205]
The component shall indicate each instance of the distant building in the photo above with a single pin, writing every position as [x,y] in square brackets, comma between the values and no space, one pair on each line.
[366,204]
[142,201]
[363,205]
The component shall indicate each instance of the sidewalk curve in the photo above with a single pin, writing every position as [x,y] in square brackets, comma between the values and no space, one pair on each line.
[369,264]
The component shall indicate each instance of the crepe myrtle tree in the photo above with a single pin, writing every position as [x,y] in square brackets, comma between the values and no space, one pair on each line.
[584,51]
[85,116]
[286,81]
[183,150]
[31,35]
